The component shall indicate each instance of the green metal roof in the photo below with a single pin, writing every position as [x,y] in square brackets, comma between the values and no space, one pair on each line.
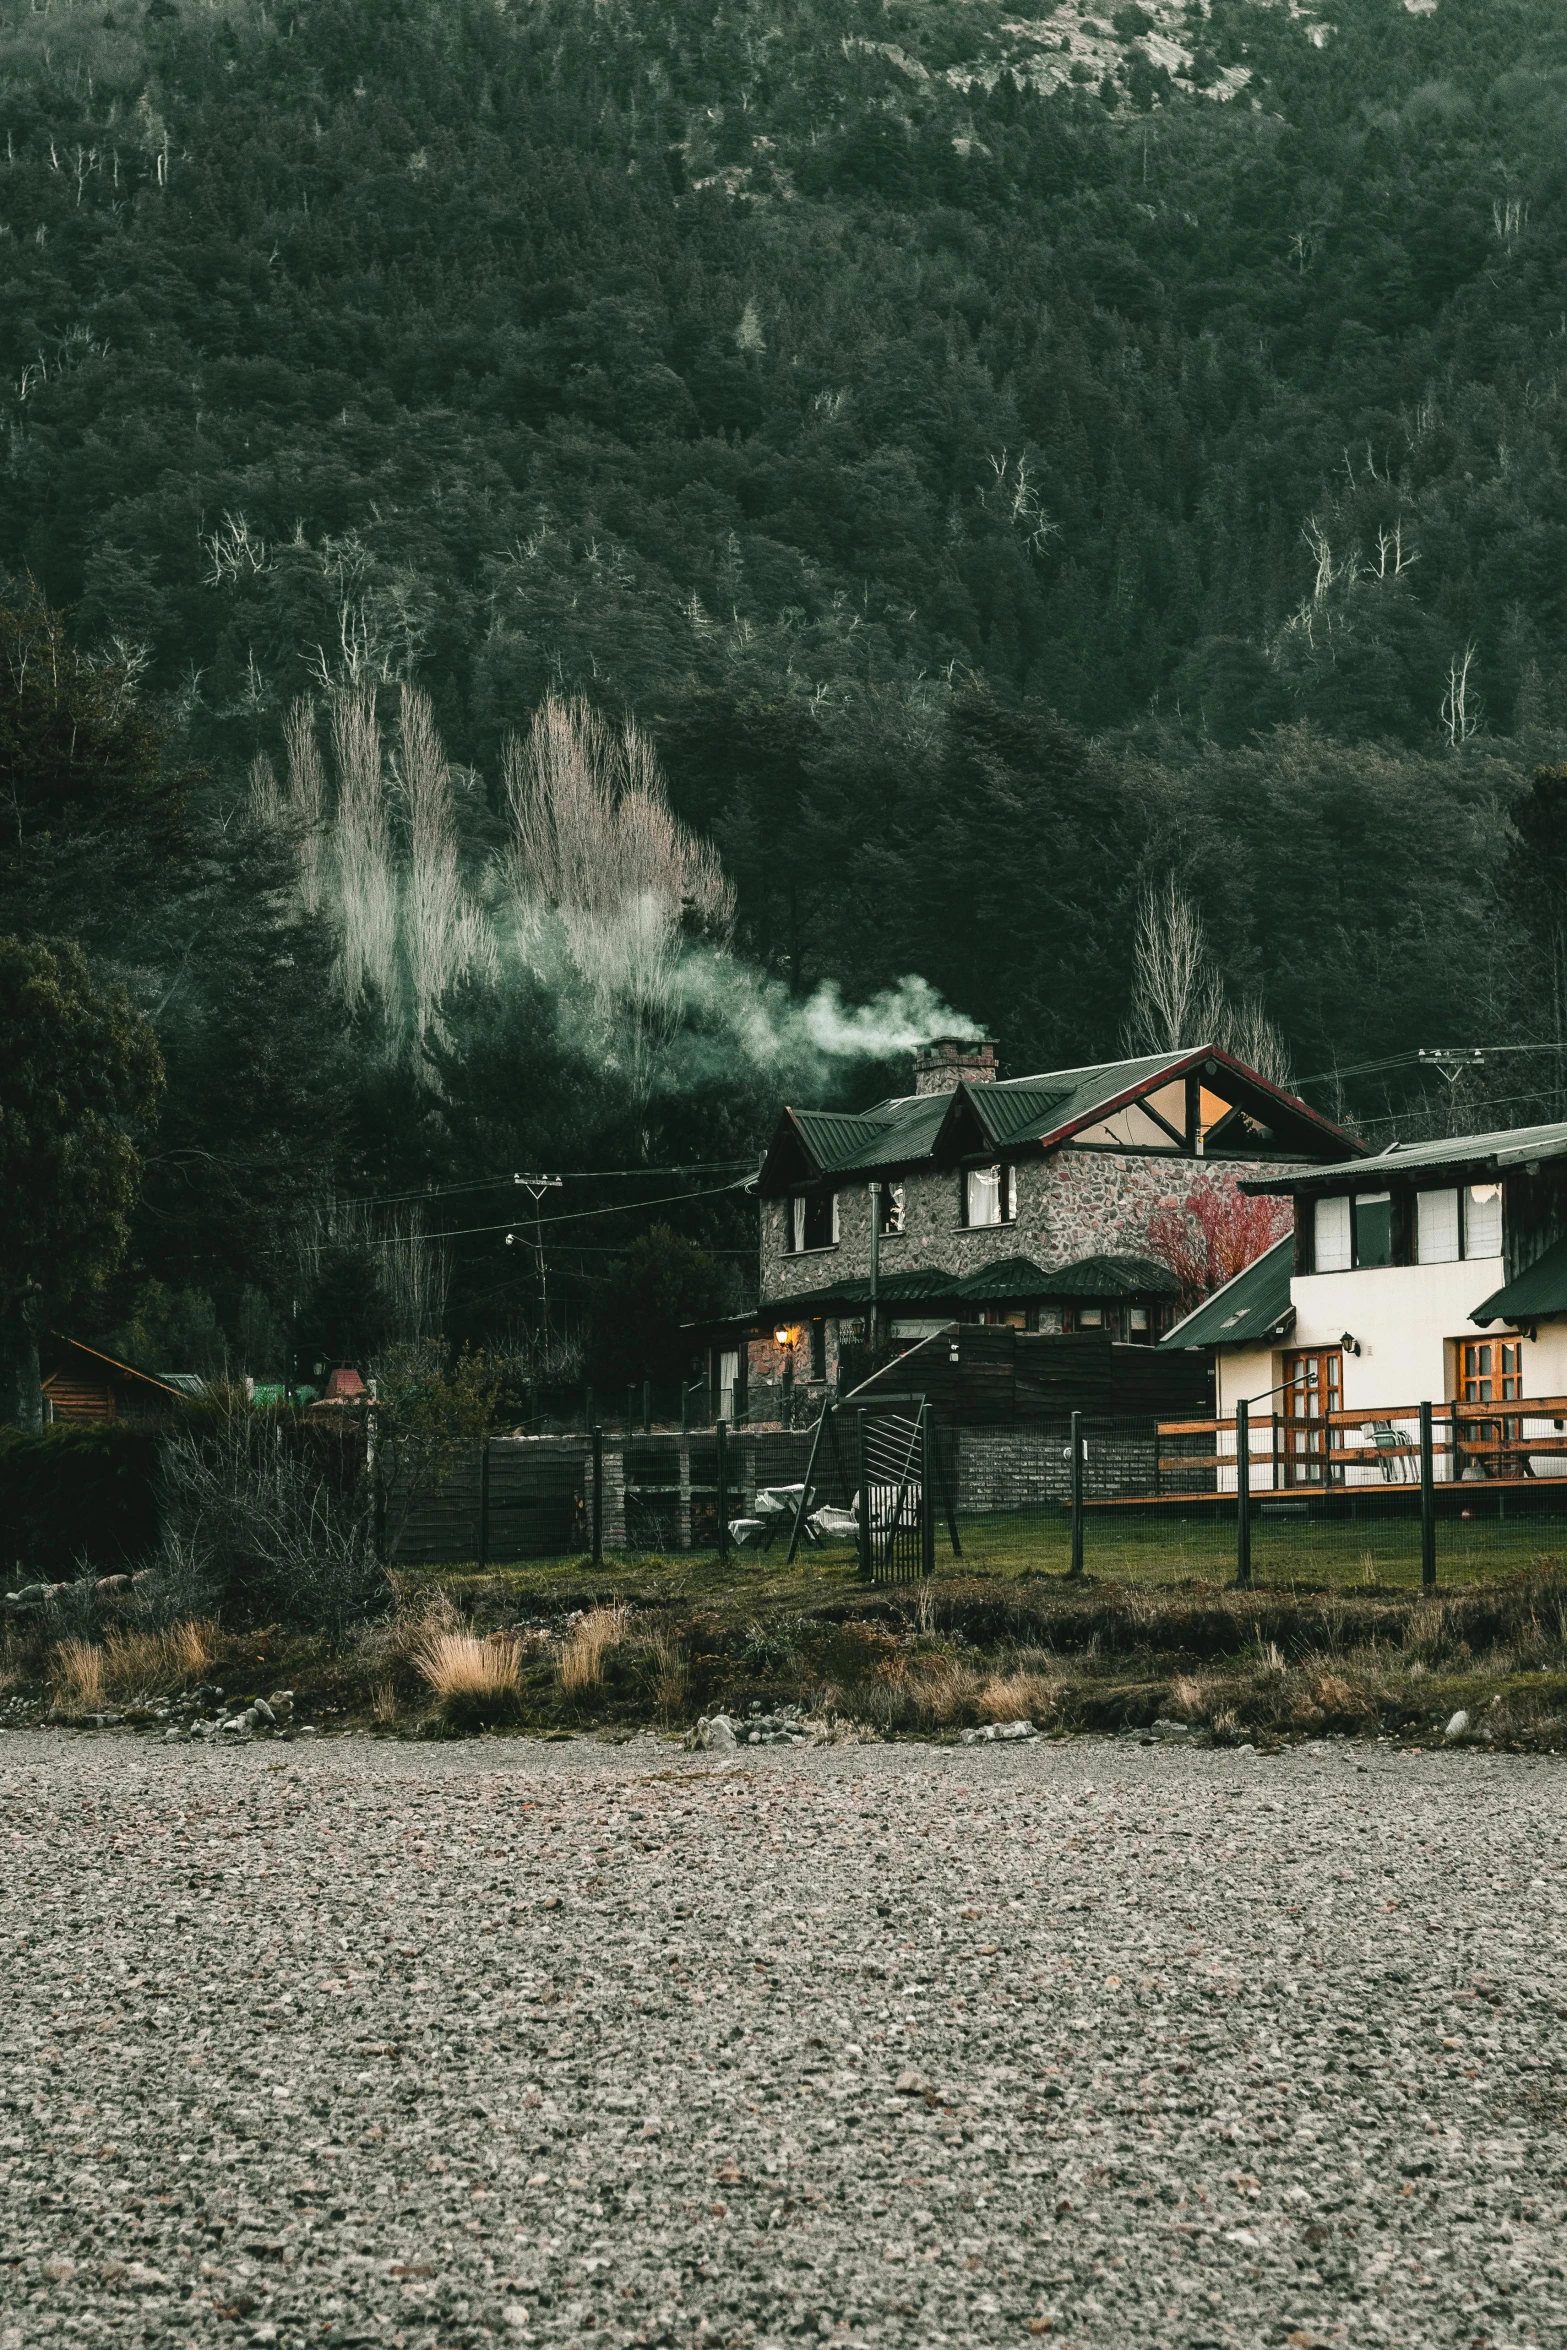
[1112,1277]
[1249,1308]
[909,1131]
[1533,1296]
[1512,1146]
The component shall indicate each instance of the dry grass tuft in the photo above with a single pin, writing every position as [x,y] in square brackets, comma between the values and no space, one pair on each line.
[138,1664]
[1017,1697]
[76,1669]
[459,1665]
[1189,1697]
[193,1646]
[383,1702]
[589,1642]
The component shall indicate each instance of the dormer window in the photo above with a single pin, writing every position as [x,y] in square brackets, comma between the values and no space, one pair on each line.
[988,1197]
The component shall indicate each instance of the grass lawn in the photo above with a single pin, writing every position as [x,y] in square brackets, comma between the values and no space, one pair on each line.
[1373,1551]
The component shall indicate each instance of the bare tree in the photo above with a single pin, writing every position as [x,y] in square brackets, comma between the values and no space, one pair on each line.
[1178,995]
[597,850]
[1176,992]
[433,897]
[1460,714]
[365,876]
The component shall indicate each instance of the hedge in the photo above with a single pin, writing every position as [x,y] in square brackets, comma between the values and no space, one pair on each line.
[74,1498]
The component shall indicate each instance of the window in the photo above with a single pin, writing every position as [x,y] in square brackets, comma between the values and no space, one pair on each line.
[1090,1318]
[1137,1321]
[818,1350]
[1373,1228]
[1483,1220]
[813,1221]
[1490,1370]
[1436,1227]
[987,1196]
[1356,1231]
[892,1210]
[1330,1235]
[821,1219]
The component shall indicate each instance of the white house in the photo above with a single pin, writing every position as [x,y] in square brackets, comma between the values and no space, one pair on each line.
[1435,1272]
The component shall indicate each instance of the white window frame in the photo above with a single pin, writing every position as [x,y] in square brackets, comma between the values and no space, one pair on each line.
[1005,1195]
[1337,1248]
[1491,1245]
[1438,1227]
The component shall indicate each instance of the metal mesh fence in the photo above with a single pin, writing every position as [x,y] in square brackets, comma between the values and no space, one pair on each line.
[1379,1500]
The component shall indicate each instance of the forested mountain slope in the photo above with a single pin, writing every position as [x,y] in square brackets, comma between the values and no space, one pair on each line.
[1000,459]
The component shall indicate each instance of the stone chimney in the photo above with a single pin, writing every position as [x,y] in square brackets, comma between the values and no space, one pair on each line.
[953,1061]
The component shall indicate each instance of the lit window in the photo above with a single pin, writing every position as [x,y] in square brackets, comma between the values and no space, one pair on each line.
[1436,1227]
[1373,1228]
[796,1224]
[1483,1220]
[1330,1234]
[1090,1318]
[987,1196]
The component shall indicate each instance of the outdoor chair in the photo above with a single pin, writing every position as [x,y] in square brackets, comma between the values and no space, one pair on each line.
[1396,1454]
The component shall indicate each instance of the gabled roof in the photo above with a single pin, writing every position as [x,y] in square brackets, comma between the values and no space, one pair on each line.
[1536,1295]
[111,1363]
[1511,1146]
[1254,1306]
[1016,1116]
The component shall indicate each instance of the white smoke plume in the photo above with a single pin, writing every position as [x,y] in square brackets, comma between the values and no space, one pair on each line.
[601,894]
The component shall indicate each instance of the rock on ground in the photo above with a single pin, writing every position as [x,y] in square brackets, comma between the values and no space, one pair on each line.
[571,2045]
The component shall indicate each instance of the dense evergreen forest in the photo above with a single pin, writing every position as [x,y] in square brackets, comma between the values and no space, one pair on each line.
[991,466]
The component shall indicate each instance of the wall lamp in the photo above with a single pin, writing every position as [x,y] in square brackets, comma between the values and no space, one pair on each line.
[1350,1343]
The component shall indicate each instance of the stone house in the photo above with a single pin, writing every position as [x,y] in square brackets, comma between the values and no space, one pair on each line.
[977,1198]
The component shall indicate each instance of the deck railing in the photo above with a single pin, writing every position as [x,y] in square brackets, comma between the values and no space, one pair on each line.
[1514,1442]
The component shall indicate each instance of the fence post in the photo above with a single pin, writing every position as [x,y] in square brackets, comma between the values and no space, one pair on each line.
[484,1501]
[721,1433]
[647,1407]
[927,1493]
[598,1497]
[1077,1494]
[1243,1493]
[864,1499]
[1427,1500]
[685,1409]
[1456,1458]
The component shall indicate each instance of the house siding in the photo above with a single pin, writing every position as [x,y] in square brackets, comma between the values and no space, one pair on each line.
[1075,1203]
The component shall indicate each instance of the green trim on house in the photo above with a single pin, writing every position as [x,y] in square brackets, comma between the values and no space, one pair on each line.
[1535,1295]
[1254,1306]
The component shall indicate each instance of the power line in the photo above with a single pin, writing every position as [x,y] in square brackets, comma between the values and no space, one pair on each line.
[628,1207]
[382,1199]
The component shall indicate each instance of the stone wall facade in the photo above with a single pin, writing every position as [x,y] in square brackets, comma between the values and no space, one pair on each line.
[1075,1203]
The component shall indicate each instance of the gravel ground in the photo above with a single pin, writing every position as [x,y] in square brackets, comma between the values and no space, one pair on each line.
[576,2044]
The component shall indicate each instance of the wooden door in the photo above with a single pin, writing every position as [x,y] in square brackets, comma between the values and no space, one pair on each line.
[1313,1387]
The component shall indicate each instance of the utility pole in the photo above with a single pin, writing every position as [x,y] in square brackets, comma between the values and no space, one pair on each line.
[536,1186]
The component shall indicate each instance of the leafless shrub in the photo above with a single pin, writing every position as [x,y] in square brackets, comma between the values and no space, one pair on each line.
[254,1526]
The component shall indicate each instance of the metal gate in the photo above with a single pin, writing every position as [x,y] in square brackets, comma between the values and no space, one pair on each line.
[897,1529]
